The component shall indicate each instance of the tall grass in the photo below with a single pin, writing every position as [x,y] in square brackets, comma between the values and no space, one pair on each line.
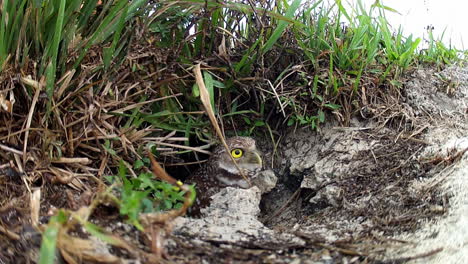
[57,34]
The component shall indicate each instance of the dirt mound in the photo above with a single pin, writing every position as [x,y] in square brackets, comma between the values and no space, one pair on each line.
[362,193]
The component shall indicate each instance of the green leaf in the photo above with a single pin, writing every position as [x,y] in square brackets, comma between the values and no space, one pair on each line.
[193,194]
[321,116]
[122,169]
[48,245]
[208,79]
[110,178]
[99,233]
[57,37]
[107,147]
[259,123]
[109,52]
[195,90]
[50,79]
[332,106]
[147,205]
[49,238]
[218,84]
[281,26]
[167,204]
[138,164]
[248,57]
[146,180]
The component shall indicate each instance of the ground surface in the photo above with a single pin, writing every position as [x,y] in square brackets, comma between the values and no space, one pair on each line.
[386,189]
[364,193]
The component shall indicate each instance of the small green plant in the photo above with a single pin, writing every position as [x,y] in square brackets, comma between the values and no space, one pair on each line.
[143,194]
[310,120]
[438,53]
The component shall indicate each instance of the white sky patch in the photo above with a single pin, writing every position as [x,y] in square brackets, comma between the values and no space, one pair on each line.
[416,15]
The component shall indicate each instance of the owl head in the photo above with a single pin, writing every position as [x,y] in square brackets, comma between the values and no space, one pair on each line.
[246,155]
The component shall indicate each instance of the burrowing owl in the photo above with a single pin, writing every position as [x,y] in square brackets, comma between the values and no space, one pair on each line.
[220,171]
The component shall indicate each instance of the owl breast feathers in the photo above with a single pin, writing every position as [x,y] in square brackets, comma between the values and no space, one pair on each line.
[220,171]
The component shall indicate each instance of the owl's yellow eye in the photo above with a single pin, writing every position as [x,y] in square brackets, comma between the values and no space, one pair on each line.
[236,153]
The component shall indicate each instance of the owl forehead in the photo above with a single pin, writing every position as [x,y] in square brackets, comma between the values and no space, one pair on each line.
[236,142]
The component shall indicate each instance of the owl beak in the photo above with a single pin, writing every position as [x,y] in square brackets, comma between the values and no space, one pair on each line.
[257,158]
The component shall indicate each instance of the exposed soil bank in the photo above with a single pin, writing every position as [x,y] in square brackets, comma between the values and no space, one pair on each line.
[367,192]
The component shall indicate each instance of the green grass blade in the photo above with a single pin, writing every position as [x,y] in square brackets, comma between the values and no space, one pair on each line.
[281,26]
[57,36]
[109,53]
[210,87]
[49,238]
[49,242]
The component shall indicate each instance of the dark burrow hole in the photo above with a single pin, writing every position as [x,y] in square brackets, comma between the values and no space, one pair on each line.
[288,202]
